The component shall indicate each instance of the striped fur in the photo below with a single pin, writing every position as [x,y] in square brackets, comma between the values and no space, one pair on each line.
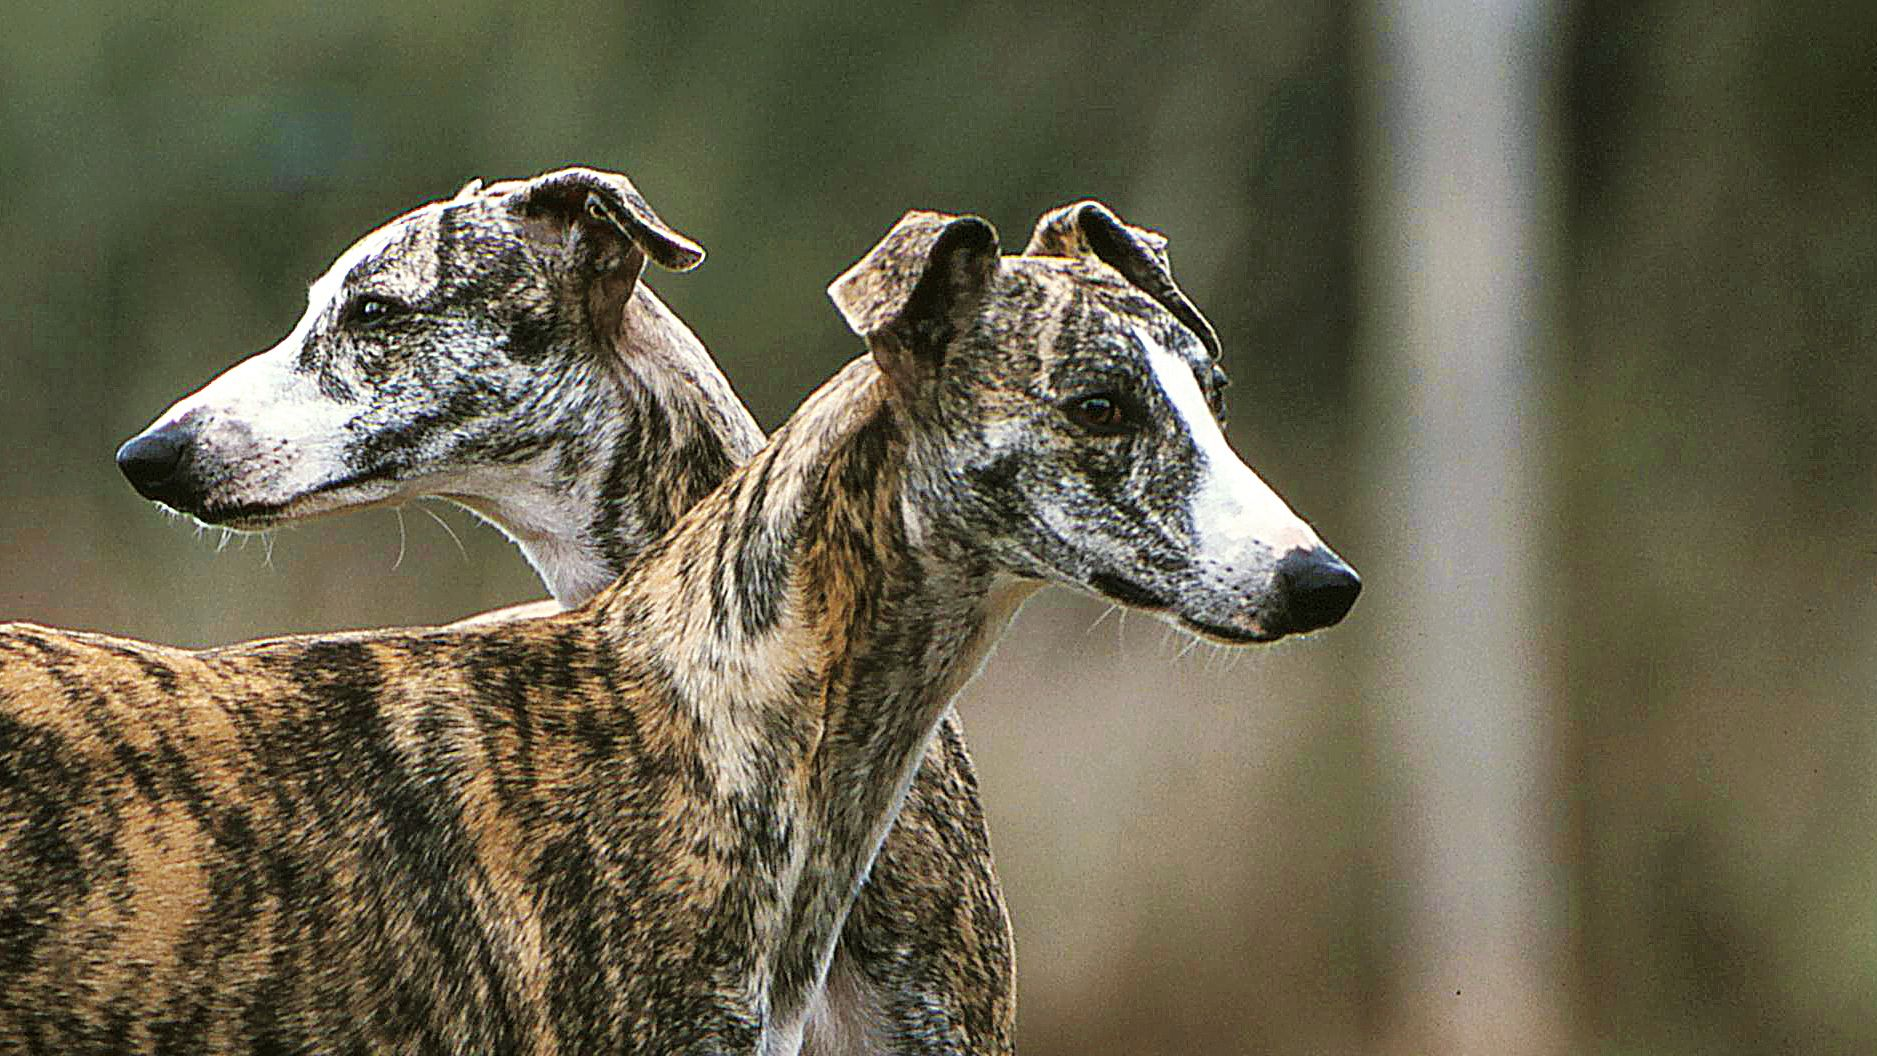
[638,423]
[638,826]
[634,827]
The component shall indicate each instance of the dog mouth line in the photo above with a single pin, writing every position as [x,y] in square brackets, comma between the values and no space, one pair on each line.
[1129,593]
[1132,594]
[1230,635]
[266,514]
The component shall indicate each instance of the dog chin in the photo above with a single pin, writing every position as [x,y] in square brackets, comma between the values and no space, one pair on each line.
[1247,633]
[1241,631]
[256,516]
[248,517]
[241,522]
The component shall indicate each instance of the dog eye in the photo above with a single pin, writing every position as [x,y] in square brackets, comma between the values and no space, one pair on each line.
[1104,414]
[369,310]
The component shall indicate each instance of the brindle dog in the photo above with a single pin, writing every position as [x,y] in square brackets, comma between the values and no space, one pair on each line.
[638,826]
[500,349]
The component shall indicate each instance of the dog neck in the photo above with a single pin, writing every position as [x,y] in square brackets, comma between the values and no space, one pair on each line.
[814,626]
[654,429]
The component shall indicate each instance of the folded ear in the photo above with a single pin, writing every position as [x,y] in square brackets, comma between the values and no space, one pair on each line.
[606,207]
[915,290]
[1090,229]
[598,231]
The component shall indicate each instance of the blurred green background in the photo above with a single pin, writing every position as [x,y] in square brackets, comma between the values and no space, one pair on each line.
[1204,852]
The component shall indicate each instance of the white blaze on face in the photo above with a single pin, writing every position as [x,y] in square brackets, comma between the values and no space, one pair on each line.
[1234,511]
[263,395]
[265,388]
[265,422]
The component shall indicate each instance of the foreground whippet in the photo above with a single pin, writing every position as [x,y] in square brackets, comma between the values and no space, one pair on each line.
[516,364]
[636,826]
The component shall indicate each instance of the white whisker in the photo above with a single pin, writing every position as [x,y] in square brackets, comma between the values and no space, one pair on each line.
[1219,658]
[395,565]
[449,530]
[1192,643]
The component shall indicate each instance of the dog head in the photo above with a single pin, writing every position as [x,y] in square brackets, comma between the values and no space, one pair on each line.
[1067,402]
[445,342]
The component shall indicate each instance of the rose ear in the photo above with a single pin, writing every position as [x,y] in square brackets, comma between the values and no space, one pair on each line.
[596,231]
[915,290]
[1061,233]
[607,206]
[1091,229]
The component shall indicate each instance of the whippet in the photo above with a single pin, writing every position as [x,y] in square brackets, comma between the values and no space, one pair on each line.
[551,391]
[637,826]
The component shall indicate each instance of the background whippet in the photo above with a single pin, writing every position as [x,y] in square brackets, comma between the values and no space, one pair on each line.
[643,821]
[498,349]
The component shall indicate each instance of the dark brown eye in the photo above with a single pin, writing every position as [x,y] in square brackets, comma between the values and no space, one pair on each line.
[1103,414]
[367,310]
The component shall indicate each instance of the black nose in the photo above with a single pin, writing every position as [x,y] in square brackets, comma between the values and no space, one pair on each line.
[1317,587]
[153,463]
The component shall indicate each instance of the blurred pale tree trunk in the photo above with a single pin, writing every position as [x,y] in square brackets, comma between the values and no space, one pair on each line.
[1457,184]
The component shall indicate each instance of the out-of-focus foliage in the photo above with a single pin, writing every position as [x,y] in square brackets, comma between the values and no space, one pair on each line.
[1186,839]
[1718,397]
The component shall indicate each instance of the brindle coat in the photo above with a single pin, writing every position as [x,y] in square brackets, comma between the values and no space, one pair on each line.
[518,364]
[638,826]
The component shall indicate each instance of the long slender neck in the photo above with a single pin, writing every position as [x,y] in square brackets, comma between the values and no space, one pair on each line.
[655,428]
[815,627]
